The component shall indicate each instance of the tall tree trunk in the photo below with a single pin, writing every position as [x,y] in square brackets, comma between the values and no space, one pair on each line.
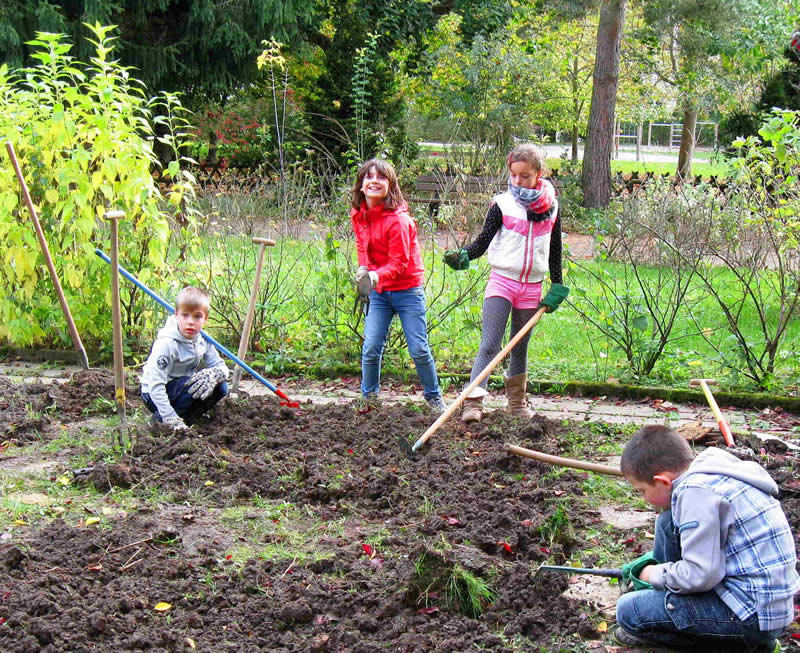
[600,135]
[686,151]
[575,136]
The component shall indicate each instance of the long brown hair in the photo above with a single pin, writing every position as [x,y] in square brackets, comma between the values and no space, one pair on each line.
[394,198]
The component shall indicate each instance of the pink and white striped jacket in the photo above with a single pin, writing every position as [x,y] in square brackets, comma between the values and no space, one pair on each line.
[520,249]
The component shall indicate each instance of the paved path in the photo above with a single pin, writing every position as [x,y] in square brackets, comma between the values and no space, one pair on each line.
[763,424]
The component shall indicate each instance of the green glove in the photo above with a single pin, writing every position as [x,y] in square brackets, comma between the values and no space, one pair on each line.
[555,296]
[458,259]
[631,571]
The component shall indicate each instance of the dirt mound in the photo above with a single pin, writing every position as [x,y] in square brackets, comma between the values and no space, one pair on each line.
[28,412]
[266,528]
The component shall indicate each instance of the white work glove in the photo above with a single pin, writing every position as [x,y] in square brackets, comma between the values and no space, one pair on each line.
[360,273]
[202,383]
[176,423]
[373,277]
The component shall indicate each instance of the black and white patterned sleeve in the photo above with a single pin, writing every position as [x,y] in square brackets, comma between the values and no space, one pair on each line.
[554,261]
[494,219]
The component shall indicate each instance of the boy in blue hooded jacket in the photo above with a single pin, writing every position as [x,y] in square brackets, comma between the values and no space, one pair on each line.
[722,570]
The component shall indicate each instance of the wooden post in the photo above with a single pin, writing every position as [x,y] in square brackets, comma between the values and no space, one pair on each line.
[248,320]
[116,318]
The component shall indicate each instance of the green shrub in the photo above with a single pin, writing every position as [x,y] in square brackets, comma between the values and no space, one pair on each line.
[84,140]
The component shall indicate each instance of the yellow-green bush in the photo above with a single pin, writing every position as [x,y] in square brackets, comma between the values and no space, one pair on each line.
[83,136]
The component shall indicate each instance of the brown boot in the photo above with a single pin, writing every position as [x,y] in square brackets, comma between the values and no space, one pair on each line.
[471,409]
[516,387]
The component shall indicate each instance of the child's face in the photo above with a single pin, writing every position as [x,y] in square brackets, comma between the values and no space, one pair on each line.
[190,321]
[522,173]
[375,187]
[657,492]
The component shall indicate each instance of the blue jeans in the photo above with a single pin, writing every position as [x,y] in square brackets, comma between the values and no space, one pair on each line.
[409,305]
[684,620]
[187,407]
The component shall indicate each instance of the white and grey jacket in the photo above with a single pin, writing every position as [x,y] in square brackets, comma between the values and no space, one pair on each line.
[171,357]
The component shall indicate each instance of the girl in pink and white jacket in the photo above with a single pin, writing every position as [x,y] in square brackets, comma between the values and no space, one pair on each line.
[522,234]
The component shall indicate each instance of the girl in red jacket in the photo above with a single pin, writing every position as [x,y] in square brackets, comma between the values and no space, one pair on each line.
[389,255]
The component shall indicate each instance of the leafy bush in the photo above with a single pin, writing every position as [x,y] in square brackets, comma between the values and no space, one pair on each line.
[83,136]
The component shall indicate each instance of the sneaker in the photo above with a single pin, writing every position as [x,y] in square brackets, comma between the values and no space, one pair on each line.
[437,405]
[626,638]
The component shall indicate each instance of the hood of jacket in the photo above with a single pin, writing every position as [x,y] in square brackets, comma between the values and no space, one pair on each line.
[718,461]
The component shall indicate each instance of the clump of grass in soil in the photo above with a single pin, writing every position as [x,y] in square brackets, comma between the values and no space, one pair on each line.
[454,587]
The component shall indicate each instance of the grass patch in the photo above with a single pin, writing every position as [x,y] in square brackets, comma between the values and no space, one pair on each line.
[460,590]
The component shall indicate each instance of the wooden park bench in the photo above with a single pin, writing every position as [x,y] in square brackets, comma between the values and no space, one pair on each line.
[439,189]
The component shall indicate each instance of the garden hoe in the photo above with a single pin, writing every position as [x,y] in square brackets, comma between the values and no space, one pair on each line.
[286,401]
[563,462]
[411,450]
[116,320]
[723,425]
[73,330]
[599,571]
[251,307]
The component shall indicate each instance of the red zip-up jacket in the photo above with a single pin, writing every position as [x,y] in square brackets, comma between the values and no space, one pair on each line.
[386,240]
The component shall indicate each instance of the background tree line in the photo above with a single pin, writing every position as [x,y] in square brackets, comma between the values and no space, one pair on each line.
[377,75]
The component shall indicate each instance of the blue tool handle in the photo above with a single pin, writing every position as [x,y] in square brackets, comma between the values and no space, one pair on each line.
[208,338]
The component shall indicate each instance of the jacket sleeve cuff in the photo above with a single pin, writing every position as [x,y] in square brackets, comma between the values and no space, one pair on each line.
[657,577]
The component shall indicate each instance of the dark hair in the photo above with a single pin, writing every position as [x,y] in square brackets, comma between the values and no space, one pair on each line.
[394,197]
[191,298]
[654,449]
[529,153]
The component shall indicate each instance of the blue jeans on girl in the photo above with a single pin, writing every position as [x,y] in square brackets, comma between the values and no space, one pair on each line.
[683,620]
[409,305]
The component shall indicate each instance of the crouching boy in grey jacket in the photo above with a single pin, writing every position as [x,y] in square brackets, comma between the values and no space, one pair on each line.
[722,571]
[184,375]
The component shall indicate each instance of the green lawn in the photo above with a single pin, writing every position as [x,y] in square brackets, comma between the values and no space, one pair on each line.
[307,319]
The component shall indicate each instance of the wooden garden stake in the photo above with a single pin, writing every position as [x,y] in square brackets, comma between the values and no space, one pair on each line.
[116,316]
[73,330]
[248,320]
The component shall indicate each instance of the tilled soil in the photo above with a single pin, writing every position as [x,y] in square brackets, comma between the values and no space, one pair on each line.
[388,545]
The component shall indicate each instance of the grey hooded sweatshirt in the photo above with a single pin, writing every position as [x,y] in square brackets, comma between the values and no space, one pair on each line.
[735,539]
[172,357]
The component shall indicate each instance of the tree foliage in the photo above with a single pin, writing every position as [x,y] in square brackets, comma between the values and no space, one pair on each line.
[202,48]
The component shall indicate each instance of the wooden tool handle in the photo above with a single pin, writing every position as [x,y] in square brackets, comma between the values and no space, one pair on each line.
[264,241]
[723,425]
[563,462]
[477,380]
